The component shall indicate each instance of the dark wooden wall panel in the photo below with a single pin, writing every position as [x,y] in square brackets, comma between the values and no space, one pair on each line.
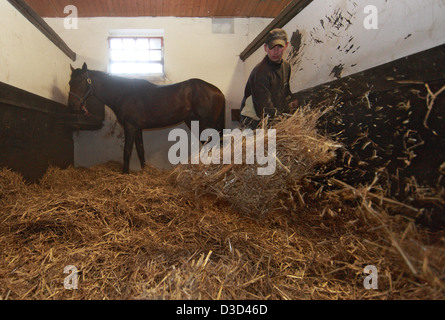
[381,117]
[31,141]
[36,133]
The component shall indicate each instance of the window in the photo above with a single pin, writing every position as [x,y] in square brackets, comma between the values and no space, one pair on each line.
[136,55]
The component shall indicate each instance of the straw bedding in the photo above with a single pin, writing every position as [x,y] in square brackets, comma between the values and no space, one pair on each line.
[152,235]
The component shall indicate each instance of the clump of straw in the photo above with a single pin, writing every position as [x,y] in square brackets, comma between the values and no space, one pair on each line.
[300,149]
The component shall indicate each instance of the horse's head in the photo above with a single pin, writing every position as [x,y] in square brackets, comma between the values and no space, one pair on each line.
[81,88]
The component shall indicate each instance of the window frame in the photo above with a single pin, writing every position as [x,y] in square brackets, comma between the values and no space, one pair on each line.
[135,37]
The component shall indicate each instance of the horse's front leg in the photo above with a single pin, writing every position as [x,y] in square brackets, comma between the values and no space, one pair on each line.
[140,148]
[130,136]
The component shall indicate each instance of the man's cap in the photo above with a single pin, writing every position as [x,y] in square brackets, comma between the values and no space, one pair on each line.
[276,37]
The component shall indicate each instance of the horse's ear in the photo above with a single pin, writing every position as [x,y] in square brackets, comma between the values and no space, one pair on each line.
[72,69]
[84,67]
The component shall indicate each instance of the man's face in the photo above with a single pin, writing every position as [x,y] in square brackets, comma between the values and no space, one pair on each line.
[276,53]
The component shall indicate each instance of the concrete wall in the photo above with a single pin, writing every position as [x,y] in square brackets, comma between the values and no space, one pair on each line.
[329,39]
[192,50]
[28,60]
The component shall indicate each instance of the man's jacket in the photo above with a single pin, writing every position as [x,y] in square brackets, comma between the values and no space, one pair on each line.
[268,85]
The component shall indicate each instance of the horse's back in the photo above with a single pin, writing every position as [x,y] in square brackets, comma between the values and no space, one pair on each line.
[193,98]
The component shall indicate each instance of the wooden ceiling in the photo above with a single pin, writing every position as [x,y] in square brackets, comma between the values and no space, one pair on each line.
[156,8]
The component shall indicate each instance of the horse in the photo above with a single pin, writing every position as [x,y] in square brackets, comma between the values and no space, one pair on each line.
[139,104]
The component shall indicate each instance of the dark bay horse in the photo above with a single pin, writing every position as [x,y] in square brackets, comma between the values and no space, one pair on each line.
[140,104]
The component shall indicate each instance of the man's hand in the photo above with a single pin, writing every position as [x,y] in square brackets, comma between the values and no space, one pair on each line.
[271,112]
[293,105]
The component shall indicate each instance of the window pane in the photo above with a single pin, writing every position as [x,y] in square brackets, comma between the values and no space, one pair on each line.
[129,44]
[133,68]
[155,43]
[115,44]
[144,68]
[142,44]
[117,55]
[136,68]
[143,55]
[155,55]
[129,55]
[155,68]
[117,67]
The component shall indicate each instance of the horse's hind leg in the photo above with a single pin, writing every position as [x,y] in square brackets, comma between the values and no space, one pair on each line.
[130,136]
[140,147]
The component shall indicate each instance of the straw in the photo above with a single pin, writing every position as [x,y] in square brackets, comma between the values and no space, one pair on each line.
[149,235]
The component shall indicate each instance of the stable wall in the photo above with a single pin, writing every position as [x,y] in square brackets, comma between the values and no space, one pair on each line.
[329,40]
[192,50]
[35,127]
[28,60]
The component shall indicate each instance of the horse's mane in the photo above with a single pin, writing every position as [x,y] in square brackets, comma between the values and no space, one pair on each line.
[119,80]
[122,80]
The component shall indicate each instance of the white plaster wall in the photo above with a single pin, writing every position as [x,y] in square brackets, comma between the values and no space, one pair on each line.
[191,51]
[333,34]
[28,60]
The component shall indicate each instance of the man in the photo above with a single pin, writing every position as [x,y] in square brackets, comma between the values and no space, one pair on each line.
[267,91]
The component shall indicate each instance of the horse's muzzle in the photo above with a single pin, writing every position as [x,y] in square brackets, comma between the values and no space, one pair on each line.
[82,101]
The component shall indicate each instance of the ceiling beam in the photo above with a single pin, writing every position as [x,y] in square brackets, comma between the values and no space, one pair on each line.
[41,25]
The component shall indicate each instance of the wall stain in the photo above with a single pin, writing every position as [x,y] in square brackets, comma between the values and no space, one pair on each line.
[331,30]
[332,26]
[296,49]
[337,70]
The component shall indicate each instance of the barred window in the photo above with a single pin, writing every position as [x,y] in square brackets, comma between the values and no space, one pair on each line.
[136,55]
